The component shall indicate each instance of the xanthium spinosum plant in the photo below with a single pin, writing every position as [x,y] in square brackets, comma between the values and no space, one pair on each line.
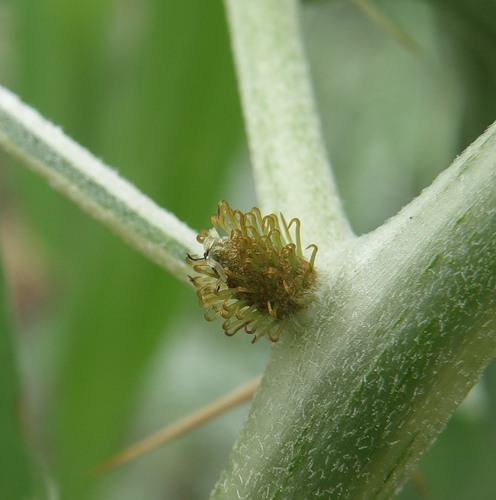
[253,273]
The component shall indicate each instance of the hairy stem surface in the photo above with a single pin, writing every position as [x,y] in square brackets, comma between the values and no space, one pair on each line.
[292,171]
[96,188]
[404,326]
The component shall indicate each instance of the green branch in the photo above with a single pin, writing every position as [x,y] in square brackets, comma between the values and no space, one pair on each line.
[96,188]
[404,322]
[292,172]
[405,325]
[404,319]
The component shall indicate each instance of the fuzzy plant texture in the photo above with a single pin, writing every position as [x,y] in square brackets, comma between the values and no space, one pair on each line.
[376,339]
[256,276]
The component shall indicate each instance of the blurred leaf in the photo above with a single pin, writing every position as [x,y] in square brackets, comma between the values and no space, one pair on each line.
[162,106]
[15,473]
[382,106]
[472,26]
[489,381]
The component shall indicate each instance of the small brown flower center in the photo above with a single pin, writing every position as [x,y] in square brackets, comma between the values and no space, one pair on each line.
[256,276]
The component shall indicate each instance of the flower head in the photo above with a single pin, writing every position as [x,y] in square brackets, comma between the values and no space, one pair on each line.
[253,273]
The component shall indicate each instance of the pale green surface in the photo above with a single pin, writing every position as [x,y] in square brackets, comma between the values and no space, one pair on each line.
[149,87]
[358,393]
[284,133]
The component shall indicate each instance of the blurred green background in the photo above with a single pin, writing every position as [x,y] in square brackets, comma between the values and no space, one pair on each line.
[99,347]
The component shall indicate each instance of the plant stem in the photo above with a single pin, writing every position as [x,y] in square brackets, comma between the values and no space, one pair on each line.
[292,172]
[185,424]
[403,328]
[96,188]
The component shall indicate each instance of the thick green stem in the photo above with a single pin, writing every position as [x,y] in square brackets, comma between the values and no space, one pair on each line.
[404,325]
[96,188]
[292,172]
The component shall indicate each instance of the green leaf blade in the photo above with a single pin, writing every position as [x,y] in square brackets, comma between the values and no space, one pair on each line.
[16,481]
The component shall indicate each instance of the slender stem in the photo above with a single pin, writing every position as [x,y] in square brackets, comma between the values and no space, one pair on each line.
[95,187]
[292,172]
[185,424]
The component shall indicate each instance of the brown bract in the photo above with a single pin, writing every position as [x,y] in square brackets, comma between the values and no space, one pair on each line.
[253,274]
